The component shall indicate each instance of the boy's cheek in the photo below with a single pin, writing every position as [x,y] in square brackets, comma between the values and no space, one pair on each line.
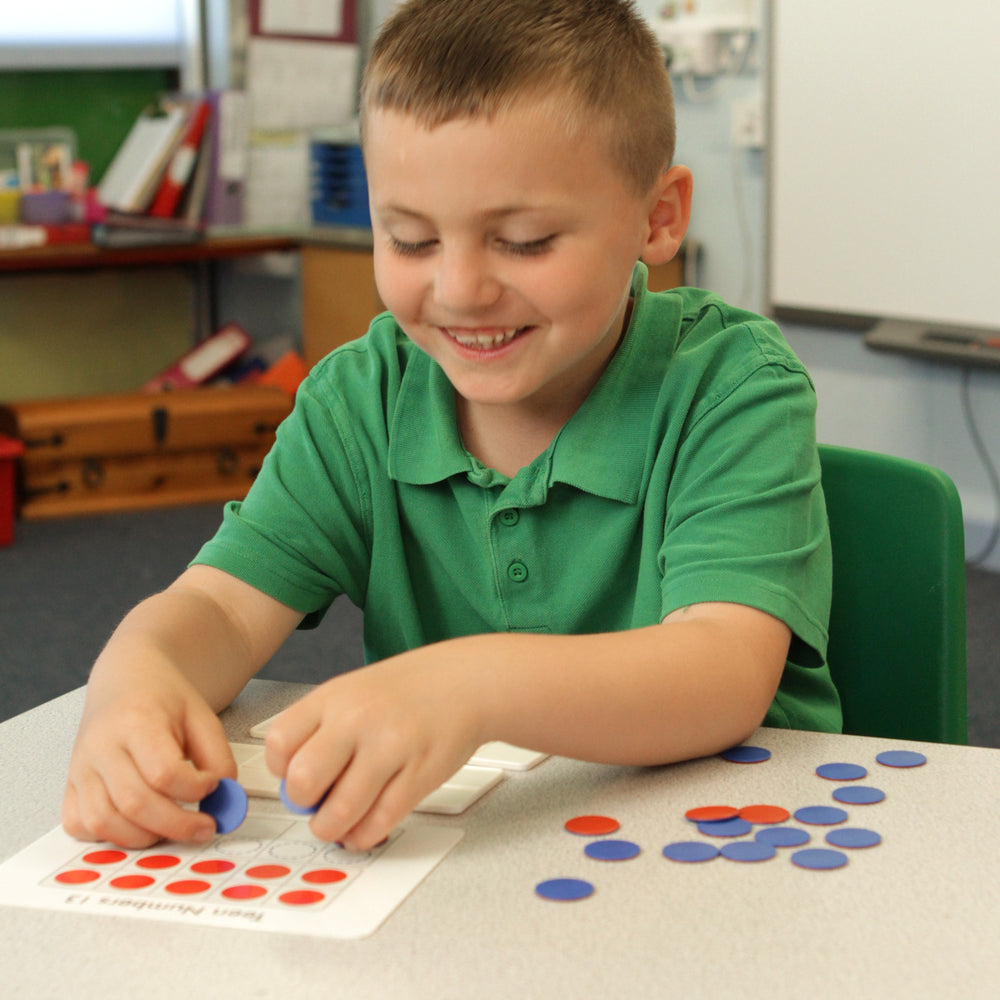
[396,286]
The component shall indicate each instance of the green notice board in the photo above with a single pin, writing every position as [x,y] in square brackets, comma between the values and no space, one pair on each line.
[100,105]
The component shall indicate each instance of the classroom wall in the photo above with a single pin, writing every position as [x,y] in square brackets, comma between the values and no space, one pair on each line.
[87,332]
[867,399]
[884,402]
[873,400]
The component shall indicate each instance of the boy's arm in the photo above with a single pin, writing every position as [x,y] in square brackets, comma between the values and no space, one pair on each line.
[387,735]
[149,737]
[699,682]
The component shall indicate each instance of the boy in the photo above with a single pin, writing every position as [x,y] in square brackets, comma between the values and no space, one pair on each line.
[579,517]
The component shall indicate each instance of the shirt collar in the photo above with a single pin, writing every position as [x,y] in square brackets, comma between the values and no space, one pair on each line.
[424,443]
[601,449]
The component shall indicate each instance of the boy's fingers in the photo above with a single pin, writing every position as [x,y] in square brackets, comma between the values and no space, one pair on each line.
[158,814]
[318,765]
[163,767]
[208,748]
[394,803]
[70,815]
[128,812]
[288,733]
[359,787]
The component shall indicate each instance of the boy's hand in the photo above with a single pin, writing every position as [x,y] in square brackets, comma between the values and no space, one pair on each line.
[142,748]
[376,742]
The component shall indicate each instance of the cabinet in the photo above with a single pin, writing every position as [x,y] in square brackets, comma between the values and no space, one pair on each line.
[339,298]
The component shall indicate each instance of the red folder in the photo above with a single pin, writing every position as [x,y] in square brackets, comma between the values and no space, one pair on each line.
[168,195]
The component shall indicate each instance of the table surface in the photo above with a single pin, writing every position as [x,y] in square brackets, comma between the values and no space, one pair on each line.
[917,916]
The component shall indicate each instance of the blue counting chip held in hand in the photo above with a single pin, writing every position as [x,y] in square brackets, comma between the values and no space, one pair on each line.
[227,805]
[294,806]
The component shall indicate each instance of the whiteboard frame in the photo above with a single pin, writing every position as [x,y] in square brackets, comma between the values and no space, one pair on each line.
[883,200]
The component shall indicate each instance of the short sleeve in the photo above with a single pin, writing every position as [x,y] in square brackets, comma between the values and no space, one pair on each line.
[302,533]
[746,520]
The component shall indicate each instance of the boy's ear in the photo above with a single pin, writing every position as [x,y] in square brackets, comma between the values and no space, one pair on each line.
[669,215]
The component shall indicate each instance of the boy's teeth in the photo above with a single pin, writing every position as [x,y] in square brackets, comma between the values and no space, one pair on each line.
[484,339]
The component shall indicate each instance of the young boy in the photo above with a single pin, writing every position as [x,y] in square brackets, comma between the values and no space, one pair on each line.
[578,516]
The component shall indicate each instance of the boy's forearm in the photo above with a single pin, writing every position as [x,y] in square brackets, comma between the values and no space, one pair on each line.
[645,696]
[187,630]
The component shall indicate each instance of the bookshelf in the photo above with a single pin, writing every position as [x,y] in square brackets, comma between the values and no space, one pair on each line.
[81,256]
[337,285]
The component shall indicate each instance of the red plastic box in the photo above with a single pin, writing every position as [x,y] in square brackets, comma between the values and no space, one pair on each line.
[10,450]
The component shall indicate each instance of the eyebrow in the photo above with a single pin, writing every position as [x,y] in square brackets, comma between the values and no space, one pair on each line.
[496,214]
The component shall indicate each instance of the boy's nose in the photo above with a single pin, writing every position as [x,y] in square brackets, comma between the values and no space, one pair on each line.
[464,280]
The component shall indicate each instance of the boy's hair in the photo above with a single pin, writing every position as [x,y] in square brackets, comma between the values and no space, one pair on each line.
[443,60]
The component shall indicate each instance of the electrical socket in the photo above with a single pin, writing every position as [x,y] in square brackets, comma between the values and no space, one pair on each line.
[691,51]
[706,38]
[747,122]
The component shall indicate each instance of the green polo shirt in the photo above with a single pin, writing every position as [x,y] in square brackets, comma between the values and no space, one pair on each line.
[689,474]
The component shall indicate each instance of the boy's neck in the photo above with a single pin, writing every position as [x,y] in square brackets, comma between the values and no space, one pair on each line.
[503,438]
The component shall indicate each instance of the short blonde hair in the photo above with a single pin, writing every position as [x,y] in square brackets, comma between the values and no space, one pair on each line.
[442,60]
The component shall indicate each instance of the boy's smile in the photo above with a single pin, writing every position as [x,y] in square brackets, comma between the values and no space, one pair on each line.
[505,247]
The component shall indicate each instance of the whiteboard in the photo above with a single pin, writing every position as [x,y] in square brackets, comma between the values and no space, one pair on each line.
[884,159]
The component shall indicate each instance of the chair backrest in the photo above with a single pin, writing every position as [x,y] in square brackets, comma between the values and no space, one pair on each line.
[897,624]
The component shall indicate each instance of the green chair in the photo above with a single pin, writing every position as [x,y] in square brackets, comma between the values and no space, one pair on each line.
[897,624]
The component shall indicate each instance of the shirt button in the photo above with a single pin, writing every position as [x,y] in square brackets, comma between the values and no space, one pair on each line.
[509,518]
[518,572]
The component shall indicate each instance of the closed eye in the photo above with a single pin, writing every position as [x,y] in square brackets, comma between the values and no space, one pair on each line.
[405,249]
[531,248]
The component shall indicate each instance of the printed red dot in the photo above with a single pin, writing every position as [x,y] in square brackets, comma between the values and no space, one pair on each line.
[158,861]
[301,897]
[213,866]
[104,857]
[188,887]
[590,826]
[77,877]
[324,876]
[132,881]
[244,892]
[268,871]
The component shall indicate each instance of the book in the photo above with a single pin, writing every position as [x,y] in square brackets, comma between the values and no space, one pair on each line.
[228,135]
[182,164]
[125,229]
[204,361]
[192,206]
[26,236]
[129,183]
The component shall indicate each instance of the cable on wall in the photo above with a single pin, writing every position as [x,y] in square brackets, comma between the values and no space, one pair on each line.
[991,472]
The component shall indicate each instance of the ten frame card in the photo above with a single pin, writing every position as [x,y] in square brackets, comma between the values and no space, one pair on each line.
[271,874]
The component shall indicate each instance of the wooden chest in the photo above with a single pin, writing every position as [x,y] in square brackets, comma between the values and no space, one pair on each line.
[128,451]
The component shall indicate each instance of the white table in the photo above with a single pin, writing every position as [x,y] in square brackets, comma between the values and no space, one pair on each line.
[917,916]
